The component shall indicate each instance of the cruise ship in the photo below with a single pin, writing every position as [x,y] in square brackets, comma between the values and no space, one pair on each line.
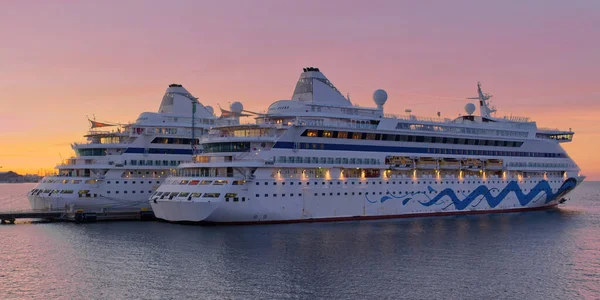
[319,157]
[120,165]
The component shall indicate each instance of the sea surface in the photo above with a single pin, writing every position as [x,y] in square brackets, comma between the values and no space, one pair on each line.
[535,255]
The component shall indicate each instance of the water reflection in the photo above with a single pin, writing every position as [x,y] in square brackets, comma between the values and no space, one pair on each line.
[549,254]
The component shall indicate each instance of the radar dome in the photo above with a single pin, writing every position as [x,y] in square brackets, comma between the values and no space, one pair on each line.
[470,108]
[236,107]
[379,97]
[210,109]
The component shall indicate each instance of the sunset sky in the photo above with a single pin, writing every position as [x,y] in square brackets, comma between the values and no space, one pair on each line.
[63,60]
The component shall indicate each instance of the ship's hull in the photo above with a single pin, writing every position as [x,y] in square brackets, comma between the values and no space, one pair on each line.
[313,203]
[364,218]
[79,193]
[47,203]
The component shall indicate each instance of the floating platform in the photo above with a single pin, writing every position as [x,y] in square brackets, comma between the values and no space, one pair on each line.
[79,216]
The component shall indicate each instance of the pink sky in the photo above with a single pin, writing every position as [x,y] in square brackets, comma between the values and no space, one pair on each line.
[61,61]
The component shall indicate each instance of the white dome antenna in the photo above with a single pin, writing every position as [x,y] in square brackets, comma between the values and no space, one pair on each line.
[380,97]
[470,108]
[210,109]
[236,107]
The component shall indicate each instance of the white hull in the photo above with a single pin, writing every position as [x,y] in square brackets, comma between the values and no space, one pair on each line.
[336,202]
[87,204]
[109,194]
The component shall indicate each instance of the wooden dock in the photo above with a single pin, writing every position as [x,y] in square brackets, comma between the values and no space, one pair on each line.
[79,216]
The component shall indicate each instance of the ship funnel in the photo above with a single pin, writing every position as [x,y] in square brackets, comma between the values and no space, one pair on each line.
[314,87]
[178,101]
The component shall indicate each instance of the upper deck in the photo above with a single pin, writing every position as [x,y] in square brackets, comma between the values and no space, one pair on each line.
[316,103]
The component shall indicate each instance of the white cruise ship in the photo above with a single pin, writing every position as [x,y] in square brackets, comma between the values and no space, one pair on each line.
[318,157]
[121,167]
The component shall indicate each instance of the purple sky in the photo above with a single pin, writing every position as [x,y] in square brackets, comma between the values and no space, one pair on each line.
[60,61]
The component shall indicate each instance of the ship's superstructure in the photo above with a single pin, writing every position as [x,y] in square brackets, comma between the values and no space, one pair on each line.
[119,166]
[319,157]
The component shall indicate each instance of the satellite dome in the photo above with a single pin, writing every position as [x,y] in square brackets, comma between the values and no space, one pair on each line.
[379,97]
[236,107]
[210,109]
[470,108]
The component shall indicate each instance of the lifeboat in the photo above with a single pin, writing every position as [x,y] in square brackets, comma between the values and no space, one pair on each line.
[426,163]
[493,164]
[450,164]
[400,162]
[471,164]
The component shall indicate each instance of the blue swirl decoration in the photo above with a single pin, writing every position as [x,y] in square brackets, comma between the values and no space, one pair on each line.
[486,194]
[389,196]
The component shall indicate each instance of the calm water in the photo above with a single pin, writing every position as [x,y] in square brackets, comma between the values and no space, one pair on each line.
[536,255]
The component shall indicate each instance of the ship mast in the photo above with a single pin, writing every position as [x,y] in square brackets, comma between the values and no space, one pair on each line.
[485,109]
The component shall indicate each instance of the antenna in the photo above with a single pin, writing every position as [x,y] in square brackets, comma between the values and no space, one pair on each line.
[484,108]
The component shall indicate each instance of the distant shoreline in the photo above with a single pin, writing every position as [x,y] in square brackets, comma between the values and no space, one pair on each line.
[13,177]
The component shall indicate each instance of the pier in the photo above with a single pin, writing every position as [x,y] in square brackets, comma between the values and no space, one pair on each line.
[78,216]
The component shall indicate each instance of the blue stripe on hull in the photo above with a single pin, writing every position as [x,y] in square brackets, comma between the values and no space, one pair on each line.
[493,201]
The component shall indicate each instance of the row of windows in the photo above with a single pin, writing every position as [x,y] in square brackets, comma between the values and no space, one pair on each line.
[177,141]
[67,181]
[81,193]
[387,193]
[165,130]
[189,196]
[226,147]
[125,192]
[408,138]
[91,151]
[204,182]
[536,164]
[316,146]
[132,182]
[111,140]
[34,191]
[282,195]
[492,153]
[438,181]
[327,160]
[148,162]
[462,130]
[558,137]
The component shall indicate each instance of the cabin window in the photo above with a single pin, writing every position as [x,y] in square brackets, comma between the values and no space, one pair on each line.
[211,195]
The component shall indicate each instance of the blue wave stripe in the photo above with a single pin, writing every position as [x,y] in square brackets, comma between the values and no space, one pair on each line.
[485,193]
[493,201]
